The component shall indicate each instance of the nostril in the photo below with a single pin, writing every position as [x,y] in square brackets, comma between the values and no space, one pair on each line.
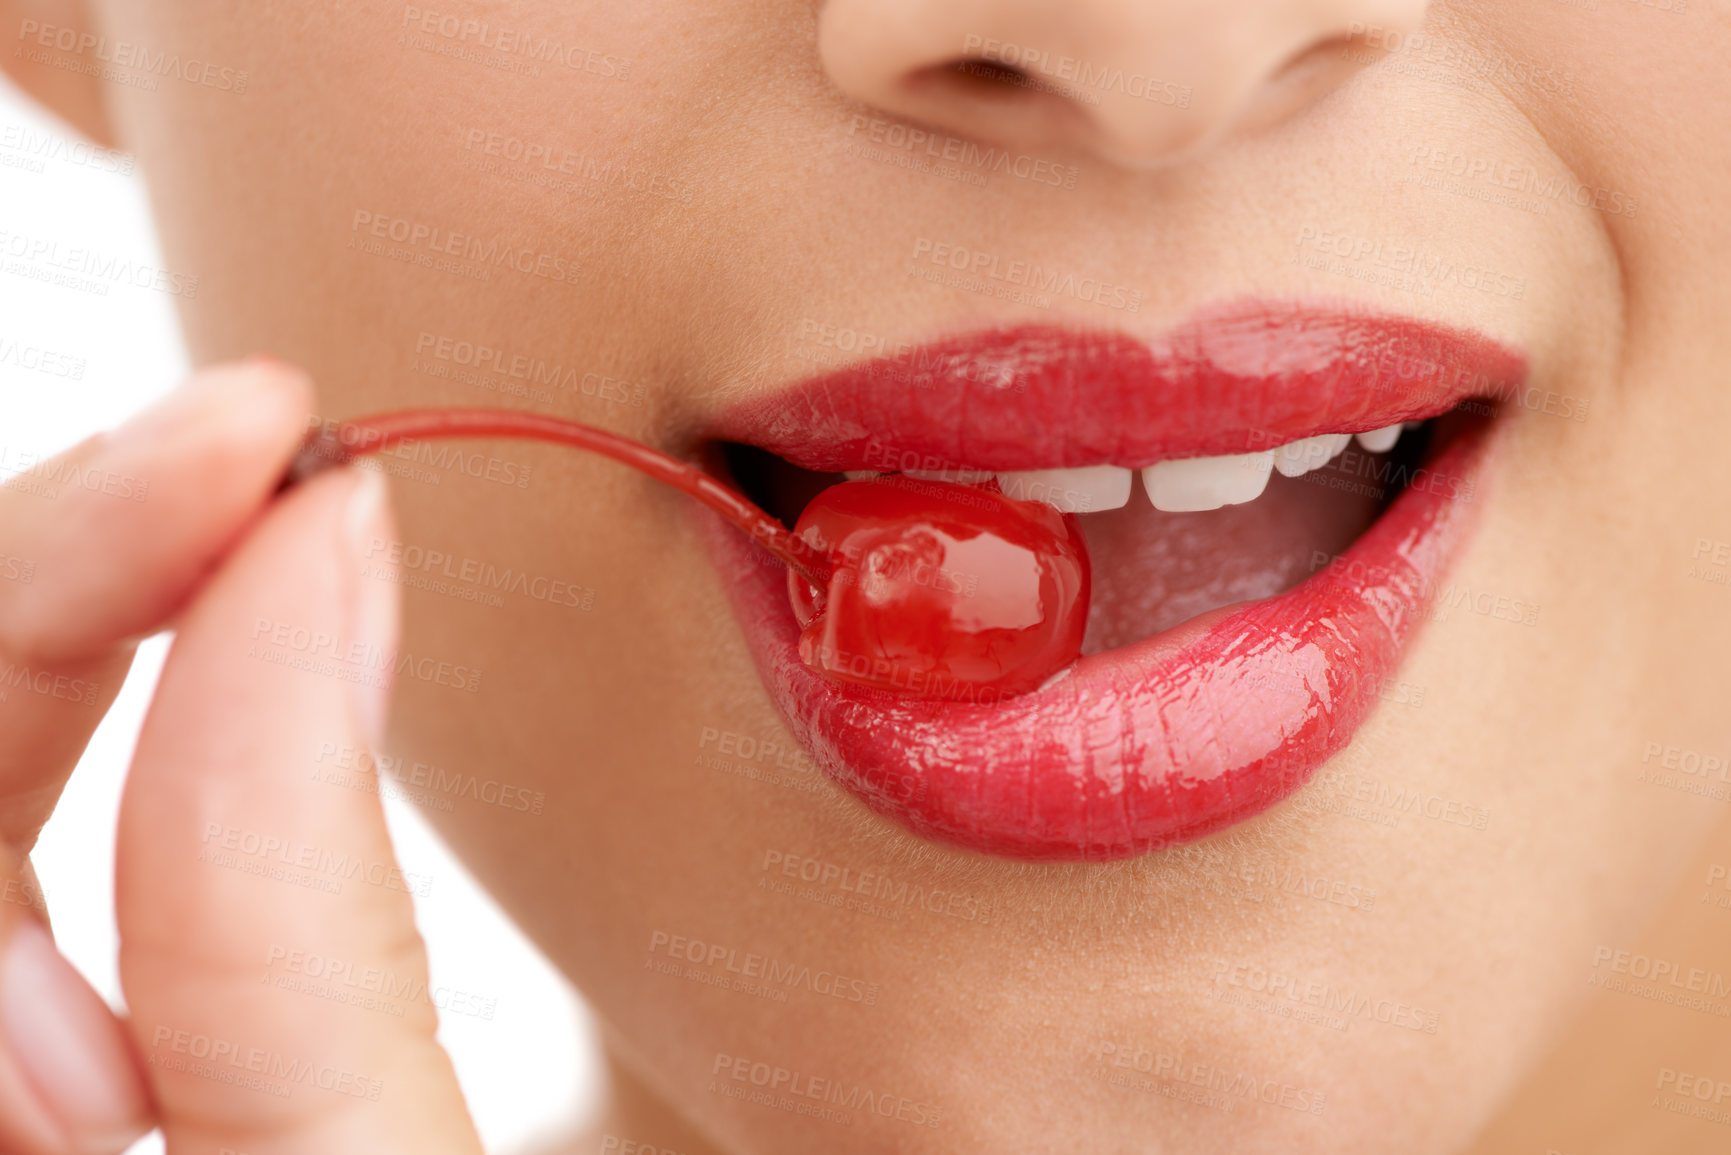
[974,78]
[991,100]
[990,76]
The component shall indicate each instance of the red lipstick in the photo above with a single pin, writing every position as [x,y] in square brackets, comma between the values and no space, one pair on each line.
[1200,726]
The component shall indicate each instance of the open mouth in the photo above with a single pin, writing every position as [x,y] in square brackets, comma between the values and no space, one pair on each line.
[1269,497]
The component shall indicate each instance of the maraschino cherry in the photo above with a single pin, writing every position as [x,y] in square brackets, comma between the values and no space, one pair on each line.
[915,587]
[939,590]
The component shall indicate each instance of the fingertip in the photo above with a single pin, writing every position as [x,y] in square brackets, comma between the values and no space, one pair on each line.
[143,512]
[283,394]
[71,1058]
[257,405]
[259,412]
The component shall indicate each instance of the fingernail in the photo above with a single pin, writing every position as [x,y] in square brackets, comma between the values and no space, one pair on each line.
[367,531]
[68,1046]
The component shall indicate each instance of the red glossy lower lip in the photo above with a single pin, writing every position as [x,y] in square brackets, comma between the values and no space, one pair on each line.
[1145,746]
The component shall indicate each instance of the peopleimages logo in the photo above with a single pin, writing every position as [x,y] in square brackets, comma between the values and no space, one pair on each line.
[752,965]
[352,659]
[941,147]
[226,1061]
[428,240]
[527,47]
[1329,998]
[1544,187]
[47,683]
[41,147]
[124,54]
[987,267]
[36,359]
[41,257]
[1074,73]
[484,359]
[1662,980]
[792,1090]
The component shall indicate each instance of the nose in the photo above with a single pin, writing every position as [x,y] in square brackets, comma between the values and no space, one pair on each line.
[1140,83]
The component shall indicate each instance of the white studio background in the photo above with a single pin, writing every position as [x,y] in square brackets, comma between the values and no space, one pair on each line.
[533,1066]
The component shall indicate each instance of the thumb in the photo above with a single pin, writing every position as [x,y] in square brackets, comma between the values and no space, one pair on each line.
[234,865]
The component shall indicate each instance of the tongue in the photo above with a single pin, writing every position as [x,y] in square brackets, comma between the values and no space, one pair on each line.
[1154,570]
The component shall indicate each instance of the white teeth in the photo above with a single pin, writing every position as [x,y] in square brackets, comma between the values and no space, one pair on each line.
[1381,440]
[953,476]
[1186,485]
[1195,484]
[1300,457]
[1088,489]
[860,474]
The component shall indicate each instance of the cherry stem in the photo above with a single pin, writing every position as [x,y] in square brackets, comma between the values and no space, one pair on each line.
[381,431]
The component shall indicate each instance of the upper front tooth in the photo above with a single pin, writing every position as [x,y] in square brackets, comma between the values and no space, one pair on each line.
[1300,457]
[1381,440]
[1088,489]
[1194,484]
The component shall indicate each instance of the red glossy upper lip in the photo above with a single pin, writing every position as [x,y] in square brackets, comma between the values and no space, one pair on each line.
[1236,379]
[1187,732]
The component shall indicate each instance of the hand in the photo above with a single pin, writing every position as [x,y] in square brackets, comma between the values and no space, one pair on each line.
[232,859]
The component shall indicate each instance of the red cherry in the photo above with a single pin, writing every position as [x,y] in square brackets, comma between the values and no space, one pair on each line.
[939,590]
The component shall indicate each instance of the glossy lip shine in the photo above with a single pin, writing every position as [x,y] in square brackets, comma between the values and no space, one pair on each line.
[1204,725]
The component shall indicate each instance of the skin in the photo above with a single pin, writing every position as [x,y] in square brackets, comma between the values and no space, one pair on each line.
[764,216]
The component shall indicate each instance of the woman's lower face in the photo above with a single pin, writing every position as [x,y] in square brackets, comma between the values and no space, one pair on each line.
[676,214]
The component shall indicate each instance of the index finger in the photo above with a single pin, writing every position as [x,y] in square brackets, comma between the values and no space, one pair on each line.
[104,544]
